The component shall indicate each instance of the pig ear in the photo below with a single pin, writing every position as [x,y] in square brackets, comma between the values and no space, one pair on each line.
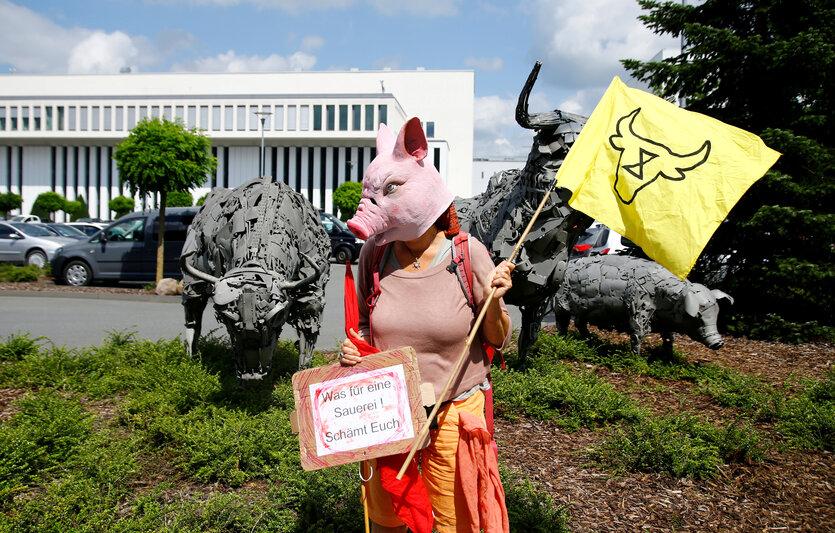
[385,140]
[691,303]
[719,295]
[411,142]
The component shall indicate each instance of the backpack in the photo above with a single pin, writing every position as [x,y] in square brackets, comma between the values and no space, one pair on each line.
[462,268]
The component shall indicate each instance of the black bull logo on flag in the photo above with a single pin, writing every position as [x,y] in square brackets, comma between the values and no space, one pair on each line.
[643,160]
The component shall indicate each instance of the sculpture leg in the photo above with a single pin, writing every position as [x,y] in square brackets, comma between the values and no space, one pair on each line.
[307,342]
[193,306]
[667,338]
[531,321]
[582,327]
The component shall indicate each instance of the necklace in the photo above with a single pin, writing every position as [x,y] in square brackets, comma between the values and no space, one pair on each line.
[416,264]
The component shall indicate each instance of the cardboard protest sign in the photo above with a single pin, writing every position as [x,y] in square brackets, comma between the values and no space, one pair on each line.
[349,414]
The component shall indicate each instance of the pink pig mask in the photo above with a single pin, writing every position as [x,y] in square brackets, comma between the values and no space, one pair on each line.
[401,197]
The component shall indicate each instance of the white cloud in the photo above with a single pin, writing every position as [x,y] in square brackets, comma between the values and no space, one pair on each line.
[311,43]
[231,62]
[103,53]
[489,64]
[32,43]
[426,8]
[495,131]
[581,43]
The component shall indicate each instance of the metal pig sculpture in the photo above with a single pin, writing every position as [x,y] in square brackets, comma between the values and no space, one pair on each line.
[637,296]
[498,216]
[261,253]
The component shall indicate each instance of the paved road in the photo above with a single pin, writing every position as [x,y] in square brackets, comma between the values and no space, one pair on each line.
[86,319]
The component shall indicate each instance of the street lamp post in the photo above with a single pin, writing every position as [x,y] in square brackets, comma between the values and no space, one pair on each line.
[262,115]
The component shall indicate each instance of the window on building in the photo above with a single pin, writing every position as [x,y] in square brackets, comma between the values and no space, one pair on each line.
[95,118]
[356,117]
[60,117]
[155,111]
[279,117]
[291,118]
[36,118]
[83,118]
[73,117]
[2,118]
[143,112]
[241,118]
[24,118]
[343,118]
[120,118]
[191,122]
[369,117]
[215,118]
[180,113]
[382,110]
[229,117]
[108,118]
[331,117]
[204,117]
[48,114]
[166,112]
[304,117]
[430,129]
[254,121]
[131,117]
[317,118]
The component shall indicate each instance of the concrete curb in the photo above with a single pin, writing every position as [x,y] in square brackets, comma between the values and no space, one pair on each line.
[91,296]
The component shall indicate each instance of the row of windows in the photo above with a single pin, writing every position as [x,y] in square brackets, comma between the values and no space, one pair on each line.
[342,117]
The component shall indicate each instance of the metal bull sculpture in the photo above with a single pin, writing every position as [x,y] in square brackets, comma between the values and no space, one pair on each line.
[498,216]
[261,253]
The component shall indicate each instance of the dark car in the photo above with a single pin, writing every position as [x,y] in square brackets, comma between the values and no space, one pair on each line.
[345,246]
[126,250]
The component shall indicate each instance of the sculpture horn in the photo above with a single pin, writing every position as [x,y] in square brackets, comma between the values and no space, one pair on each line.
[194,272]
[292,285]
[538,121]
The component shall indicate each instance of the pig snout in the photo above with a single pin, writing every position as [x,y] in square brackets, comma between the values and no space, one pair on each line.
[367,221]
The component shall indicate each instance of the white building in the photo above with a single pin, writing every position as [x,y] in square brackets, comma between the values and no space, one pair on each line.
[58,133]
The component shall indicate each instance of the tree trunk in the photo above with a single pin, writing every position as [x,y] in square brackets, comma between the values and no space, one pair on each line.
[161,237]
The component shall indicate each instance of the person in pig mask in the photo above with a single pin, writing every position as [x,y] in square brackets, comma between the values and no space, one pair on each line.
[407,209]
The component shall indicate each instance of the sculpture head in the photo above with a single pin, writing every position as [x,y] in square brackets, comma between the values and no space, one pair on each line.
[253,303]
[401,195]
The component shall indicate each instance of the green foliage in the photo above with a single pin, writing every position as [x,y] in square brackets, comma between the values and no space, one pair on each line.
[201,200]
[17,346]
[681,445]
[77,209]
[14,273]
[547,389]
[180,418]
[47,203]
[808,420]
[347,198]
[179,199]
[121,206]
[9,201]
[774,252]
[161,156]
[531,509]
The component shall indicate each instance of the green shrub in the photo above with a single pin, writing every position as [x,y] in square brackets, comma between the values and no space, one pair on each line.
[681,445]
[14,274]
[531,509]
[808,420]
[347,198]
[179,199]
[17,346]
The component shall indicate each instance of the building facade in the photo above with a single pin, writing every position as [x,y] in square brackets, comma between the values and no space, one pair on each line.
[58,133]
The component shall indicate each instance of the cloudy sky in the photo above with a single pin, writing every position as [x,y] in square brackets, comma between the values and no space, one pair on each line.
[578,41]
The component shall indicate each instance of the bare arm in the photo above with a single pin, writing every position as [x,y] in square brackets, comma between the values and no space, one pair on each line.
[496,323]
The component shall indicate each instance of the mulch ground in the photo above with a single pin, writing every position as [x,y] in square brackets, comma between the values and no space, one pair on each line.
[787,491]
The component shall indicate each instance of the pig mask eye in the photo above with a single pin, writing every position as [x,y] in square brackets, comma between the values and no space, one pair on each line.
[390,188]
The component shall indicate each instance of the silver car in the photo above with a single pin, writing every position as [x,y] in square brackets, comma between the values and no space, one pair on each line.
[27,244]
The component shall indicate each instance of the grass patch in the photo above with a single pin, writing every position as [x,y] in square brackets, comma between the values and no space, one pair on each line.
[530,508]
[681,445]
[14,274]
[63,466]
[808,420]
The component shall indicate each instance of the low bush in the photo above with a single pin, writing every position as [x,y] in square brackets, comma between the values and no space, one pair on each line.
[16,274]
[681,445]
[808,420]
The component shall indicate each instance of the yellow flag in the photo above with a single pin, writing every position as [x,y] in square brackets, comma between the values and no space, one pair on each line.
[660,175]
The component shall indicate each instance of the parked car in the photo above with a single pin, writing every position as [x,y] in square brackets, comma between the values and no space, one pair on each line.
[126,250]
[25,218]
[27,244]
[345,246]
[598,240]
[89,228]
[62,230]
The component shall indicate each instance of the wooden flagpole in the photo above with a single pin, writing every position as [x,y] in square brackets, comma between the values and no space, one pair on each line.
[458,364]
